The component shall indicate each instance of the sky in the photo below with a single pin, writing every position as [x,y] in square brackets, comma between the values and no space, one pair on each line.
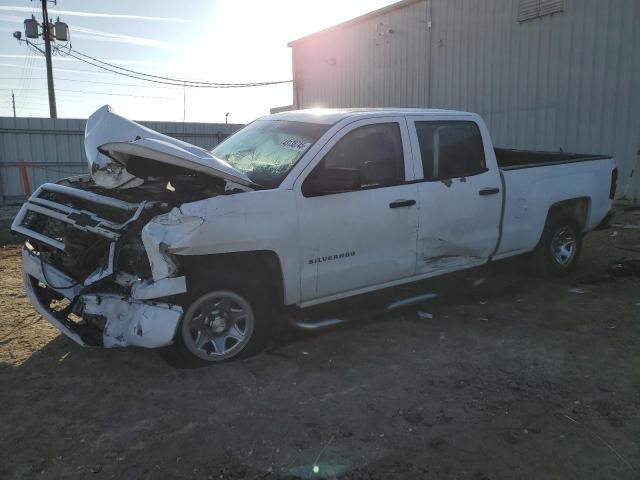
[225,41]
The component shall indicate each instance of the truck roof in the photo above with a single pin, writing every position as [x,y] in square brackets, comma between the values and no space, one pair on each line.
[330,116]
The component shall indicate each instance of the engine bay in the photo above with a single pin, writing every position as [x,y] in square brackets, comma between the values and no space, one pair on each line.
[83,250]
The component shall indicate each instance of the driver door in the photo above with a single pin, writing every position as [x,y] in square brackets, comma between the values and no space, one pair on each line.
[358,216]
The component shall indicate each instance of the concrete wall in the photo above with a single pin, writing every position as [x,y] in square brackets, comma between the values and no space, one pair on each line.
[55,148]
[567,81]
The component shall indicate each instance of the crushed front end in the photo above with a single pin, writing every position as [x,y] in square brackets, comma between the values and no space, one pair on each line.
[96,260]
[86,268]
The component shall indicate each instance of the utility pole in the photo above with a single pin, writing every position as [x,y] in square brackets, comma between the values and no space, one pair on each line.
[13,102]
[49,33]
[47,49]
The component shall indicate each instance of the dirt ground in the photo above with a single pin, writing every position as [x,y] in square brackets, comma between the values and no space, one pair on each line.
[513,378]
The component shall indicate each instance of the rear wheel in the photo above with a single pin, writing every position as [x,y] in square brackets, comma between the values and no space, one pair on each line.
[225,322]
[560,246]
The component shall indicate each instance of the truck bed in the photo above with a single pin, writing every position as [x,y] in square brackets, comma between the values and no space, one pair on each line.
[509,159]
[531,192]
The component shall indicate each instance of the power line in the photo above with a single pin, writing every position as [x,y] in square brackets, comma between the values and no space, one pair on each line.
[139,78]
[157,78]
[118,84]
[180,81]
[27,70]
[26,74]
[74,71]
[43,102]
[96,93]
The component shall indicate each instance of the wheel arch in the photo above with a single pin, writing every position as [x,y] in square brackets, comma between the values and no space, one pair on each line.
[262,267]
[560,213]
[578,207]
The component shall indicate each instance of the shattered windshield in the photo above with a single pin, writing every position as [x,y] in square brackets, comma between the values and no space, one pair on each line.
[266,150]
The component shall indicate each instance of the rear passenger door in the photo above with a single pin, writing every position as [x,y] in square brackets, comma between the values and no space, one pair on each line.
[460,194]
[358,210]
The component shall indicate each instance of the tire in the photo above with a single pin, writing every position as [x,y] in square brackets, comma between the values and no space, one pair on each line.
[560,246]
[236,316]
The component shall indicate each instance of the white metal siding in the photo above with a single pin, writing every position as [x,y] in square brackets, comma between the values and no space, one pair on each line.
[563,81]
[365,64]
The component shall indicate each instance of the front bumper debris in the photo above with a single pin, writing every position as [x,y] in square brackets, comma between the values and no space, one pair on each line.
[132,322]
[108,307]
[126,321]
[32,268]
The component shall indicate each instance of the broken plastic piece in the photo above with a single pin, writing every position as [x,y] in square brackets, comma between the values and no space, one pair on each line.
[133,323]
[577,290]
[317,325]
[411,301]
[627,226]
[162,288]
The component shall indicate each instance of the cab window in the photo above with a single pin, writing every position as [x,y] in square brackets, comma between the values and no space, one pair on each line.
[450,149]
[367,157]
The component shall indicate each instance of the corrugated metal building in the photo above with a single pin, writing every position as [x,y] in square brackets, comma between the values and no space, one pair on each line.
[54,148]
[544,74]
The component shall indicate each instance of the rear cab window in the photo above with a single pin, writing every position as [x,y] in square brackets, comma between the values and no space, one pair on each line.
[450,149]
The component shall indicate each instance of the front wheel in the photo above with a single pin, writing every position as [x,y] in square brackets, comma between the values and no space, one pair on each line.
[559,248]
[218,325]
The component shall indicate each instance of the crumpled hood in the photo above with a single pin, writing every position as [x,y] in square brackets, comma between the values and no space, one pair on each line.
[116,146]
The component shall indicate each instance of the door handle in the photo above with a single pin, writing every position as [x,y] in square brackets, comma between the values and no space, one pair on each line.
[489,191]
[402,203]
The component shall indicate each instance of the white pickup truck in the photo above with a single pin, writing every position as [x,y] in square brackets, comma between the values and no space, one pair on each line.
[167,244]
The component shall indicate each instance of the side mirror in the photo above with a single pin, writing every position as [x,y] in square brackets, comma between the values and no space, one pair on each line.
[324,181]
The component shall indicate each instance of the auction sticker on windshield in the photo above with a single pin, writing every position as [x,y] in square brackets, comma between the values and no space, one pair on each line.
[293,144]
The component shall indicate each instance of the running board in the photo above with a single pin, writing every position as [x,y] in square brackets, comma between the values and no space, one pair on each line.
[316,325]
[407,302]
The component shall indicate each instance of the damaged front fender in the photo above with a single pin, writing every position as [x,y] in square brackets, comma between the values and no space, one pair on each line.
[163,232]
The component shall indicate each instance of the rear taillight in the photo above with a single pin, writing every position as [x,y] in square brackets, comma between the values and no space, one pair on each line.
[614,183]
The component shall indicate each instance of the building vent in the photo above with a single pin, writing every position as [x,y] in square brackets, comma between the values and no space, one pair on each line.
[530,9]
